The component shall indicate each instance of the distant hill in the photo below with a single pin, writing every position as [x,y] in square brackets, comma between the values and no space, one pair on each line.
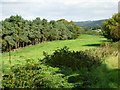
[86,24]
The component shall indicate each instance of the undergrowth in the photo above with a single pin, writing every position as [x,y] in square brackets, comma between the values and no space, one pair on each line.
[65,69]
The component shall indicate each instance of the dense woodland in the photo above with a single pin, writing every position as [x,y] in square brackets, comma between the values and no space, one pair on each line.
[17,32]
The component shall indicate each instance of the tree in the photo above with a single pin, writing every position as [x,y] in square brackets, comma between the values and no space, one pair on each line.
[110,28]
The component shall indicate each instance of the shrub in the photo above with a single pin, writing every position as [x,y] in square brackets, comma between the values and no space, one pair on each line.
[72,59]
[32,75]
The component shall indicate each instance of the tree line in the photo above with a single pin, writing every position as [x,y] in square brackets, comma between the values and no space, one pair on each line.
[17,32]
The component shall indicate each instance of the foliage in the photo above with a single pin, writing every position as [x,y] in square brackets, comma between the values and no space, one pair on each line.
[34,75]
[72,59]
[111,28]
[18,32]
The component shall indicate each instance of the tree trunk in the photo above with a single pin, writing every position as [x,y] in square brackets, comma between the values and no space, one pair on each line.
[23,44]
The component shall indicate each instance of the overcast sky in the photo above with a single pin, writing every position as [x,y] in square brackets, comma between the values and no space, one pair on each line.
[75,10]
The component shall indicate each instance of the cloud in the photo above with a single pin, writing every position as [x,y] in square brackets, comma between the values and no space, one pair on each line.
[75,10]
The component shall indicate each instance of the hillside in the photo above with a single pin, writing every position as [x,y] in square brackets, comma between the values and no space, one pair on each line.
[89,23]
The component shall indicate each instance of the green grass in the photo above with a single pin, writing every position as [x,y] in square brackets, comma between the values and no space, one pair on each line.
[36,51]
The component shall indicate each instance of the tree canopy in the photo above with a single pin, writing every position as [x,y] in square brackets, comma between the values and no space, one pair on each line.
[18,32]
[111,28]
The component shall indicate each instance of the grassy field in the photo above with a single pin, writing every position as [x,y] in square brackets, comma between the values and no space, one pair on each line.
[106,72]
[36,51]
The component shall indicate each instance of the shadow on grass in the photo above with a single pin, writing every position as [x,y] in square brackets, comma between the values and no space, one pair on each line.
[105,41]
[95,45]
